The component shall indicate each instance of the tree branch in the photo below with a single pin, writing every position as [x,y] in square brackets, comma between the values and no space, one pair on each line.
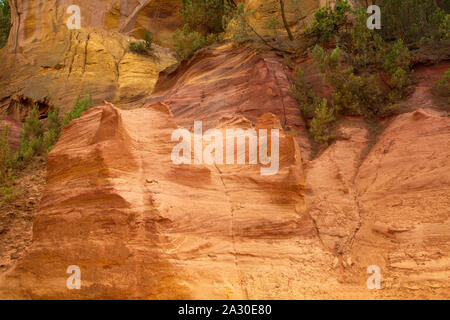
[286,25]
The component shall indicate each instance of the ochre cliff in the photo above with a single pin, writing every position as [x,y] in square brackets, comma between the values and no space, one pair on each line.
[52,65]
[225,81]
[141,227]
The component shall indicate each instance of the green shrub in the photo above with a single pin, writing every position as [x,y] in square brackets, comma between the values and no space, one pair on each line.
[412,20]
[143,47]
[356,95]
[328,21]
[328,63]
[138,47]
[356,92]
[304,95]
[321,113]
[322,125]
[239,27]
[440,26]
[50,140]
[353,95]
[188,42]
[205,16]
[81,105]
[36,140]
[5,154]
[5,22]
[7,194]
[31,141]
[54,126]
[444,82]
[53,121]
[204,22]
[443,85]
[397,64]
[33,126]
[444,28]
[368,47]
[6,172]
[398,57]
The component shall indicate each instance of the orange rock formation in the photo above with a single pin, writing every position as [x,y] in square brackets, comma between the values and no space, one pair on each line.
[141,227]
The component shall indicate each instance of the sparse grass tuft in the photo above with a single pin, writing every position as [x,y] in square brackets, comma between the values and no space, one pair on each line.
[143,47]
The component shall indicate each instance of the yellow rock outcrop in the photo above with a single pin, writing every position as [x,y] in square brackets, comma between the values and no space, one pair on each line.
[46,63]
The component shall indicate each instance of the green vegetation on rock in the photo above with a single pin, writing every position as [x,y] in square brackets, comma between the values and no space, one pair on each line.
[143,47]
[5,22]
[36,140]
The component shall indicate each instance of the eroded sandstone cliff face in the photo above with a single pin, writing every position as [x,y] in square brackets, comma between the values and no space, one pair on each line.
[298,15]
[140,226]
[52,65]
[225,81]
[46,63]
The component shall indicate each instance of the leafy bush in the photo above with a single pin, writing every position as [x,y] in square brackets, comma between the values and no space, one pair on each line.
[321,113]
[5,154]
[398,57]
[322,125]
[81,105]
[143,47]
[204,22]
[444,28]
[54,123]
[205,16]
[238,26]
[6,172]
[5,22]
[188,42]
[354,95]
[36,140]
[138,47]
[328,63]
[304,95]
[368,46]
[440,26]
[412,20]
[349,68]
[6,161]
[444,82]
[443,85]
[397,65]
[31,141]
[357,95]
[328,21]
[6,194]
